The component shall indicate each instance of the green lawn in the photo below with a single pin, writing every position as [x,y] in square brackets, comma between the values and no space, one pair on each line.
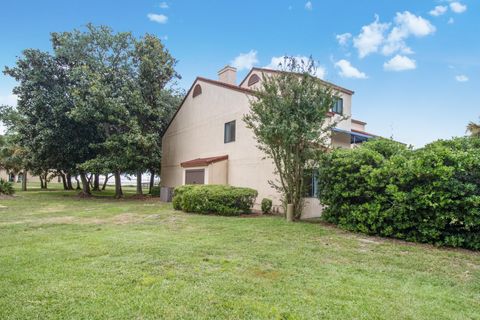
[63,257]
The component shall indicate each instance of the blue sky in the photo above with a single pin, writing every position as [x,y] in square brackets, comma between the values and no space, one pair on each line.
[414,65]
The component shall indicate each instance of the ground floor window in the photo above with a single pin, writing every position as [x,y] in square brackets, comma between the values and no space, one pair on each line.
[195,176]
[311,183]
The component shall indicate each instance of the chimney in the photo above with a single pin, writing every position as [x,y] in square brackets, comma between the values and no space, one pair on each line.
[228,75]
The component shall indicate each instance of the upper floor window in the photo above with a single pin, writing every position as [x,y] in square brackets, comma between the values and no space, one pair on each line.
[229,133]
[197,91]
[338,106]
[253,79]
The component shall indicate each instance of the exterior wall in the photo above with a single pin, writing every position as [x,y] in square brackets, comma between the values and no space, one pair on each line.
[218,172]
[197,131]
[312,208]
[3,174]
[358,125]
[341,140]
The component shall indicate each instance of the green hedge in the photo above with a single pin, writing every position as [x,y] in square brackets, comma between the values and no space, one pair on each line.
[266,205]
[6,187]
[214,199]
[427,195]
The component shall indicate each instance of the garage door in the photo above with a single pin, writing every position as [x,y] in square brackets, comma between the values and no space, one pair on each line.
[196,176]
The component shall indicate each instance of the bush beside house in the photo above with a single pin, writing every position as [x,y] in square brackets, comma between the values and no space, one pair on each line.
[384,188]
[214,199]
[266,205]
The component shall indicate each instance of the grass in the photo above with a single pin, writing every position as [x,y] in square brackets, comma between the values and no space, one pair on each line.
[62,257]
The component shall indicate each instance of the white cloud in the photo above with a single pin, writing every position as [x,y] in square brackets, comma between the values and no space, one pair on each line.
[349,71]
[457,7]
[343,38]
[461,78]
[245,60]
[160,18]
[406,25]
[451,21]
[308,5]
[163,5]
[370,38]
[277,62]
[438,11]
[399,63]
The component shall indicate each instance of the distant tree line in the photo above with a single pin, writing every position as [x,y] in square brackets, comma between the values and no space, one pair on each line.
[98,103]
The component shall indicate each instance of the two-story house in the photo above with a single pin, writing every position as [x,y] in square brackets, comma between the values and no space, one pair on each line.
[207,141]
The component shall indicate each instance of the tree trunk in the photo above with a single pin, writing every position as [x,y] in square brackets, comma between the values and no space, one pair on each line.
[45,180]
[85,185]
[96,182]
[118,186]
[105,181]
[68,177]
[90,180]
[42,186]
[139,183]
[24,181]
[64,181]
[152,181]
[78,183]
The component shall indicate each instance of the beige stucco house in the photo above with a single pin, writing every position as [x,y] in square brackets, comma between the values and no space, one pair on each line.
[207,141]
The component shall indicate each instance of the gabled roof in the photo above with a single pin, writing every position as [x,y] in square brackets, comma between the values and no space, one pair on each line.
[225,85]
[239,88]
[214,82]
[202,162]
[266,70]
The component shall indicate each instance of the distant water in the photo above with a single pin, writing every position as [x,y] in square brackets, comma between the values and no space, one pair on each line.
[130,180]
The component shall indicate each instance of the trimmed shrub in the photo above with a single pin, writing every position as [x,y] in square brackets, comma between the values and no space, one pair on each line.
[266,205]
[6,187]
[214,199]
[427,195]
[178,196]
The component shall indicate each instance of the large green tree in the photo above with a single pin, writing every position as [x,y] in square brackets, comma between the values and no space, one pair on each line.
[104,95]
[41,121]
[156,69]
[120,90]
[289,118]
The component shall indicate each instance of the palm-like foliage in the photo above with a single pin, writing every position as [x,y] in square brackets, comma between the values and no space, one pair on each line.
[474,129]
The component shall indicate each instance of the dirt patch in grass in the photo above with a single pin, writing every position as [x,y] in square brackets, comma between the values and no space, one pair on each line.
[120,219]
[251,215]
[126,218]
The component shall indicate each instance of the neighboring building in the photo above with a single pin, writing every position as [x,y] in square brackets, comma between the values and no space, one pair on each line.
[207,141]
[17,177]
